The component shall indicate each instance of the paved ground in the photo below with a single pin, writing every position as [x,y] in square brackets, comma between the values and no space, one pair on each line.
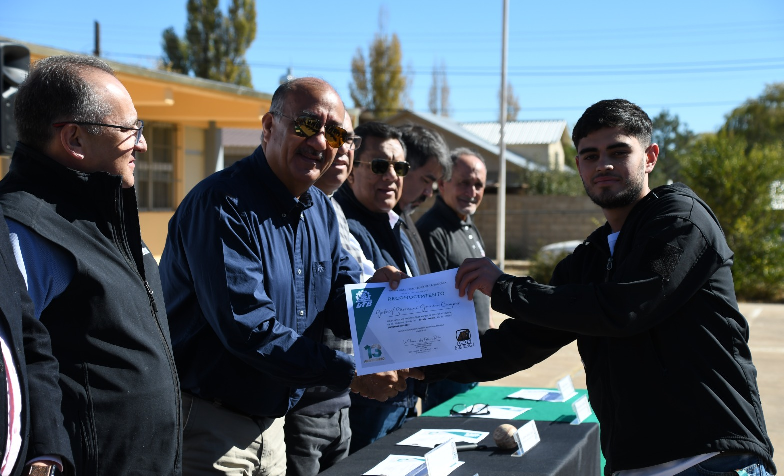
[767,349]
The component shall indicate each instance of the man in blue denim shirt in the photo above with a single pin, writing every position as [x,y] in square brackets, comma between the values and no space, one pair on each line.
[252,272]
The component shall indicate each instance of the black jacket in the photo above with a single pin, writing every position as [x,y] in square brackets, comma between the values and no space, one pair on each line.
[108,329]
[38,373]
[665,348]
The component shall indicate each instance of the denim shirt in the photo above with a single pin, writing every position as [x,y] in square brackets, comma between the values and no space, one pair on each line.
[251,276]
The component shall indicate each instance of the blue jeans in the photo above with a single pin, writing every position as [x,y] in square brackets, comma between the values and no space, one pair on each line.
[371,422]
[729,464]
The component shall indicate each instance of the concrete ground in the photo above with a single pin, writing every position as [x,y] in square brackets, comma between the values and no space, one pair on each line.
[766,323]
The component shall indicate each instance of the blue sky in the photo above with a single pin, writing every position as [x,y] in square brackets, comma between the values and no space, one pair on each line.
[698,59]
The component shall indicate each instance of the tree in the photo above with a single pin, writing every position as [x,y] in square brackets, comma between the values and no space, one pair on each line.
[736,179]
[512,103]
[438,100]
[674,139]
[379,83]
[760,120]
[214,44]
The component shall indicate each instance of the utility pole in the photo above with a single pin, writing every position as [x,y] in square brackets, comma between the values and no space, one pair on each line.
[97,50]
[501,205]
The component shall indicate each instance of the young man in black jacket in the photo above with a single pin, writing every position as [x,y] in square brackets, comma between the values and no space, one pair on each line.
[650,300]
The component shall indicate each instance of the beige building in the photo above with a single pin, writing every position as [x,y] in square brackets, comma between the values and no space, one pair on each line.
[539,141]
[183,118]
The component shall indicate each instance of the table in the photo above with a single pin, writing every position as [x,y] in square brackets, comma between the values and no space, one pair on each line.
[564,450]
[539,411]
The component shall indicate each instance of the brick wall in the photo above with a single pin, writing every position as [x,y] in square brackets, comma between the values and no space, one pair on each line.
[533,221]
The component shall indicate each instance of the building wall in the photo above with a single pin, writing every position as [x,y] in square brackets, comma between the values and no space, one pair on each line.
[533,221]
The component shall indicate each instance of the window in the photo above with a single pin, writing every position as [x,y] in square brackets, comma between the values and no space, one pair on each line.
[154,174]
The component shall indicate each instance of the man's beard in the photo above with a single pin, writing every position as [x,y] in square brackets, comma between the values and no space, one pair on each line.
[610,200]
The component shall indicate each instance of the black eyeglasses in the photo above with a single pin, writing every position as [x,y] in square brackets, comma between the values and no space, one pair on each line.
[380,166]
[306,126]
[461,409]
[139,127]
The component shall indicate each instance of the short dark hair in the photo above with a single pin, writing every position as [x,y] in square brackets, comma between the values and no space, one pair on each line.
[627,116]
[57,90]
[422,144]
[380,130]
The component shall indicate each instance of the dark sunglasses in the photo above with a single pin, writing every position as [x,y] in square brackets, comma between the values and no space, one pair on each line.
[380,166]
[306,126]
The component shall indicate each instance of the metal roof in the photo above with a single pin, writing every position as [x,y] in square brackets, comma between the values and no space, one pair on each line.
[518,132]
[448,125]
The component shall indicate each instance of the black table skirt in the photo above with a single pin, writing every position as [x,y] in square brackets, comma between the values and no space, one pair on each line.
[564,450]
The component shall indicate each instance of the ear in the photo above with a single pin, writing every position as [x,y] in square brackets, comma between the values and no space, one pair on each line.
[651,157]
[577,161]
[266,125]
[440,183]
[70,142]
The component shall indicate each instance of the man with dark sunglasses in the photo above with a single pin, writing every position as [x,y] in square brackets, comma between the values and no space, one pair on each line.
[71,206]
[368,197]
[317,429]
[253,272]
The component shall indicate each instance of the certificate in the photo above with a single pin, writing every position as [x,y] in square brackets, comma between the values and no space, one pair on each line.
[422,322]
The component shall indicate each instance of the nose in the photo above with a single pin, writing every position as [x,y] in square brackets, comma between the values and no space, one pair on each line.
[604,162]
[142,145]
[390,175]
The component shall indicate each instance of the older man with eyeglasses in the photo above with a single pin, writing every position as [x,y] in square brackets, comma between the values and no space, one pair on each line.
[368,198]
[253,271]
[102,372]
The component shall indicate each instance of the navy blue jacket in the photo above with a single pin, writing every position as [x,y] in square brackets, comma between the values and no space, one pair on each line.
[251,276]
[384,246]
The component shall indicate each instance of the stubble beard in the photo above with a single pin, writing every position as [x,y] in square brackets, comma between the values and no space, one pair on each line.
[609,200]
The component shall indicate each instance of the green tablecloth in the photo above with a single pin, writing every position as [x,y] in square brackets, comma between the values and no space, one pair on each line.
[542,411]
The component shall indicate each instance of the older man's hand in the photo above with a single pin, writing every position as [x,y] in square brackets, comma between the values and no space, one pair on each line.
[388,274]
[384,385]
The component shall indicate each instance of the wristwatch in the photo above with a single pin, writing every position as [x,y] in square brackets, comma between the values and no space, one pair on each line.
[43,470]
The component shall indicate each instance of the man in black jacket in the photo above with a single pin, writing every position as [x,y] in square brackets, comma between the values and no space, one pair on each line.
[69,198]
[17,318]
[649,298]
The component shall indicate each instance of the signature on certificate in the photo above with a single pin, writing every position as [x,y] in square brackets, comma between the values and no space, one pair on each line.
[421,344]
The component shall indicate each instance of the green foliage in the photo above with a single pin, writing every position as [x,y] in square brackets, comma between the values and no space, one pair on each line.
[759,120]
[543,264]
[214,44]
[379,83]
[735,178]
[551,182]
[569,151]
[674,140]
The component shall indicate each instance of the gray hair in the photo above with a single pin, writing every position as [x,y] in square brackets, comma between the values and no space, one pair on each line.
[56,90]
[461,151]
[422,144]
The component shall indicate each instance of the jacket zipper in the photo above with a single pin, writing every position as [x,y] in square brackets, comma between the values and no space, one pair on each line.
[122,244]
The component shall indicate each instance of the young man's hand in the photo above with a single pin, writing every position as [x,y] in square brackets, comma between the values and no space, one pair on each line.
[477,274]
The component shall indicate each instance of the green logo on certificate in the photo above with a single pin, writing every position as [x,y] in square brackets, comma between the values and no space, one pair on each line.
[364,302]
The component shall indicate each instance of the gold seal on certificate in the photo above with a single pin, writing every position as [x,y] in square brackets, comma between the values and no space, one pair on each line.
[422,322]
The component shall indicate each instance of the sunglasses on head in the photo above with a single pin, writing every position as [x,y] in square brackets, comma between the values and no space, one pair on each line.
[306,126]
[380,166]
